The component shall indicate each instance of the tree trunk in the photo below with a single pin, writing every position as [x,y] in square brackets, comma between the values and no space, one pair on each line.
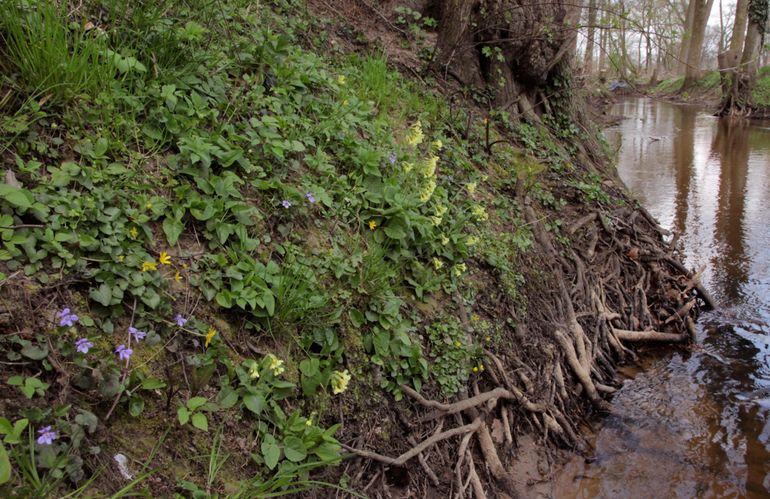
[588,60]
[728,60]
[737,102]
[510,48]
[686,36]
[694,53]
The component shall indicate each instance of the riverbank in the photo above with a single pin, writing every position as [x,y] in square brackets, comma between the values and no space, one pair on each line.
[324,272]
[707,92]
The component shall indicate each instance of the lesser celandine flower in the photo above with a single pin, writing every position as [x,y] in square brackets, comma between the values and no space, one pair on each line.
[164,258]
[372,224]
[178,277]
[68,319]
[133,233]
[339,381]
[210,336]
[274,364]
[149,266]
[46,436]
[83,345]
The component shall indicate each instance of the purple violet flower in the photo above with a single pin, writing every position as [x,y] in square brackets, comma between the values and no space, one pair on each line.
[180,321]
[123,352]
[68,319]
[46,436]
[138,335]
[82,345]
[310,197]
[286,204]
[392,158]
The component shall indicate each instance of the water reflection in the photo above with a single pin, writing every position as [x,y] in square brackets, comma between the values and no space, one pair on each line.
[696,425]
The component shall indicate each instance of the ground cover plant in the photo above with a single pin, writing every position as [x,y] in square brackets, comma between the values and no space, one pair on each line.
[218,247]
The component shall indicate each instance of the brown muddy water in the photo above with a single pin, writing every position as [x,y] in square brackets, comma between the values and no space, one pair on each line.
[695,423]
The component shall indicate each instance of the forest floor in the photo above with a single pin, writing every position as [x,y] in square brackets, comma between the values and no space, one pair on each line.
[259,252]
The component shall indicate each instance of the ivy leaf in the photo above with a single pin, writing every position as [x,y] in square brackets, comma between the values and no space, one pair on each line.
[173,229]
[102,295]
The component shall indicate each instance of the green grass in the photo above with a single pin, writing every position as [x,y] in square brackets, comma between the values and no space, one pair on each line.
[48,54]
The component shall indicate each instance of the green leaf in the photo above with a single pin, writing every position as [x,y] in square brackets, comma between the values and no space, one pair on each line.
[270,451]
[183,415]
[357,318]
[136,406]
[16,196]
[153,384]
[309,367]
[173,229]
[294,449]
[5,465]
[328,452]
[254,403]
[35,352]
[199,421]
[5,426]
[195,403]
[102,295]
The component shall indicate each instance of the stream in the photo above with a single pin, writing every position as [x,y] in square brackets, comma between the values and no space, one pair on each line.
[694,423]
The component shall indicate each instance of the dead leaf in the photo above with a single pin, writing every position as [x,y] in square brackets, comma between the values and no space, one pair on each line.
[10,179]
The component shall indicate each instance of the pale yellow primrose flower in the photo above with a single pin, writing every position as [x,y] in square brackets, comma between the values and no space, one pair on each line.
[339,381]
[275,364]
[415,135]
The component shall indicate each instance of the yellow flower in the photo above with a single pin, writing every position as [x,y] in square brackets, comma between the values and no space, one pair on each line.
[427,189]
[471,240]
[341,79]
[488,339]
[372,224]
[339,381]
[345,102]
[254,370]
[475,369]
[459,269]
[407,166]
[148,206]
[458,344]
[480,213]
[308,422]
[475,317]
[178,277]
[440,210]
[121,258]
[437,145]
[149,266]
[133,233]
[275,364]
[436,221]
[481,367]
[437,264]
[444,240]
[429,168]
[415,135]
[471,186]
[210,336]
[164,258]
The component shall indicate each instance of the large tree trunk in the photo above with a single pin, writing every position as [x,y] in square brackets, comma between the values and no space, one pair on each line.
[728,60]
[512,48]
[684,47]
[694,53]
[588,60]
[737,102]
